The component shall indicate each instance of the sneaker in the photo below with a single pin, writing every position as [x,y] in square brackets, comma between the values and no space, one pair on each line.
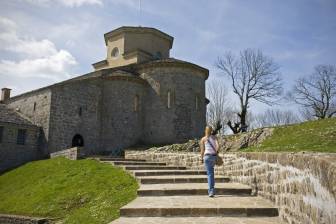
[211,195]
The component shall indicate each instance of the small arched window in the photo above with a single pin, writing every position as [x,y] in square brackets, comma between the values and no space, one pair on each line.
[197,102]
[115,53]
[34,106]
[136,103]
[80,111]
[168,99]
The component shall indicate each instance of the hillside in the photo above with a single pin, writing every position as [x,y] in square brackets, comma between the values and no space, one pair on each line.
[316,136]
[83,191]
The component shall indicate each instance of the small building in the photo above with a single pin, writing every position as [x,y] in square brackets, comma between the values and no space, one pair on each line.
[137,95]
[18,139]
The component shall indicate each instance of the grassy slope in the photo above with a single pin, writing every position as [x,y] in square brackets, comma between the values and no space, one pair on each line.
[318,136]
[83,191]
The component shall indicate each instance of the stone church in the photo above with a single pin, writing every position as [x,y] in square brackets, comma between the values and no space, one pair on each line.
[137,95]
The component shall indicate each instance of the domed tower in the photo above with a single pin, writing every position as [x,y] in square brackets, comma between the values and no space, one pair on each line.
[175,108]
[170,99]
[131,45]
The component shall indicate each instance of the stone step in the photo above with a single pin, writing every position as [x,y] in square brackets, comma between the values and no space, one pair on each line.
[193,189]
[104,158]
[153,167]
[198,206]
[180,179]
[197,220]
[140,173]
[118,163]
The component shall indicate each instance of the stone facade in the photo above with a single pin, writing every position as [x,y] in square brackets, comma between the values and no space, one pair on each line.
[301,185]
[152,101]
[12,152]
[35,107]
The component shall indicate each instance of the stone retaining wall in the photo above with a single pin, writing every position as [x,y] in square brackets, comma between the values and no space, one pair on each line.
[16,219]
[72,153]
[303,186]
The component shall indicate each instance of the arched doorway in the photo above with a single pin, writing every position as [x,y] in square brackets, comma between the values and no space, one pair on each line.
[77,141]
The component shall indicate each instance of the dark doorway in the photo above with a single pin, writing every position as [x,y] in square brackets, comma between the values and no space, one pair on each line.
[77,141]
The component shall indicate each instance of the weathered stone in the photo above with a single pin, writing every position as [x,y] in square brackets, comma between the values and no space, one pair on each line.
[301,185]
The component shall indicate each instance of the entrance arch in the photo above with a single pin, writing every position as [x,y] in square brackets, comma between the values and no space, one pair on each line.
[77,141]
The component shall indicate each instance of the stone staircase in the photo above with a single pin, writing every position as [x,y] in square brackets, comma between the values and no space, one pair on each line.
[172,195]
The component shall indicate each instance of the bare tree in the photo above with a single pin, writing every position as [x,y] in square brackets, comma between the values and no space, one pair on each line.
[219,108]
[273,117]
[253,76]
[317,92]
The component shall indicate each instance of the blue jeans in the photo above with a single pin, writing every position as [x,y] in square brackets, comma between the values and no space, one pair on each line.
[209,162]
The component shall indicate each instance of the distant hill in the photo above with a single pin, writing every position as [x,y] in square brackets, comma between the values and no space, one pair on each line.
[317,136]
[83,191]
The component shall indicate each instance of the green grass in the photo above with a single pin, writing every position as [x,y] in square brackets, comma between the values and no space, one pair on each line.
[83,191]
[315,136]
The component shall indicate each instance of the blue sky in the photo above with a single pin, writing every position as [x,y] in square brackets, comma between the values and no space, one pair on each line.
[46,41]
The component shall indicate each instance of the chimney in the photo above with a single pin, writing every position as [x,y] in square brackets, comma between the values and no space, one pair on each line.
[5,94]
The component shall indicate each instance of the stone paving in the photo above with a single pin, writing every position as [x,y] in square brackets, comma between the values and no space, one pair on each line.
[196,220]
[170,194]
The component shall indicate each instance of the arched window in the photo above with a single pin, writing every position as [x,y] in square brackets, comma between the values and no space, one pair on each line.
[136,103]
[168,99]
[77,141]
[34,106]
[197,102]
[80,111]
[115,53]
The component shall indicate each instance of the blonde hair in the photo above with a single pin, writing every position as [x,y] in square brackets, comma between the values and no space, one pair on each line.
[208,130]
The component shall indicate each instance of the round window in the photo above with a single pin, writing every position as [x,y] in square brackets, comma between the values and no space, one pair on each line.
[115,52]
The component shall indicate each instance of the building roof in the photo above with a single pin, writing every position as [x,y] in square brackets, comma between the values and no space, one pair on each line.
[130,69]
[174,61]
[8,115]
[138,29]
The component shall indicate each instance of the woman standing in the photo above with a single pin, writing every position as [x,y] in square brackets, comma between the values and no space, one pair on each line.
[209,149]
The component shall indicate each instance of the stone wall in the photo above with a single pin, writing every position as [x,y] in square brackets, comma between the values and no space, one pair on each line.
[39,116]
[182,121]
[122,126]
[13,155]
[16,219]
[72,153]
[303,186]
[75,109]
[100,107]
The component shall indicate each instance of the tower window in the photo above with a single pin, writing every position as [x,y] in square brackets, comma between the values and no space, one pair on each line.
[115,52]
[1,133]
[80,111]
[34,106]
[21,137]
[169,99]
[136,103]
[197,102]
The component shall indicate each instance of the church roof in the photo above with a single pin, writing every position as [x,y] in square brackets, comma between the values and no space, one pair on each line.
[8,115]
[174,61]
[127,70]
[138,29]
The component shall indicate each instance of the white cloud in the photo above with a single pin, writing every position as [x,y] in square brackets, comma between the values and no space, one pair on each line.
[68,3]
[42,58]
[52,67]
